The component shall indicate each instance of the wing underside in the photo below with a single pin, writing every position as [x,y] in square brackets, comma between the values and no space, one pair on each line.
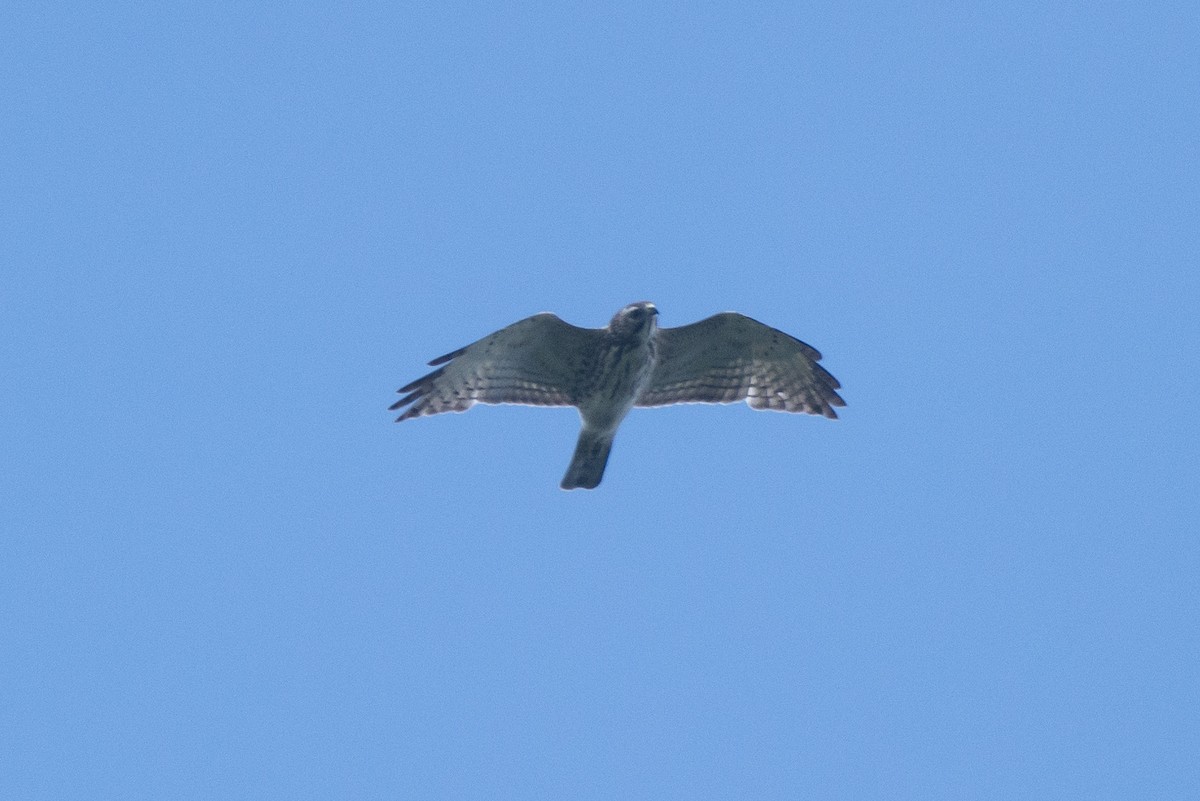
[534,361]
[730,357]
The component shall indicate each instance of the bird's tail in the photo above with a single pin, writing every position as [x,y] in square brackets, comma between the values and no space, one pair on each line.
[587,465]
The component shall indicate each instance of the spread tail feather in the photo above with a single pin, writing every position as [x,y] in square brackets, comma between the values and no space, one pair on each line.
[587,465]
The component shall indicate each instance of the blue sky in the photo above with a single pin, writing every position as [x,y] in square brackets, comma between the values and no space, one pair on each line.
[231,231]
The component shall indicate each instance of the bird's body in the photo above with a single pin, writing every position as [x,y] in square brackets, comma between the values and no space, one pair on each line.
[623,370]
[605,372]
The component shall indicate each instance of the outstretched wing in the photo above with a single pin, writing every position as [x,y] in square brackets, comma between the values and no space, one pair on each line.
[730,357]
[535,361]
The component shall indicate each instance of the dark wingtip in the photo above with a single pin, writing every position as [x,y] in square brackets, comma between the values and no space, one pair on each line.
[425,379]
[407,399]
[446,358]
[827,376]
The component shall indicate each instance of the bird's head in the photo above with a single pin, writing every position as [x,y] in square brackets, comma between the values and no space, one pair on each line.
[635,320]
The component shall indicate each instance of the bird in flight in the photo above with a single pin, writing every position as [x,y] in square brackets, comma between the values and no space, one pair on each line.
[605,372]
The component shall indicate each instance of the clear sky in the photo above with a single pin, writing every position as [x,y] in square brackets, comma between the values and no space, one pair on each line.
[230,231]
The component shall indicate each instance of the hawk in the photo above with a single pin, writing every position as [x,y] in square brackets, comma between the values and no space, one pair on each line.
[605,372]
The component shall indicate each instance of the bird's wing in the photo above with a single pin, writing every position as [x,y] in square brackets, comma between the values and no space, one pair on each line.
[730,357]
[535,361]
